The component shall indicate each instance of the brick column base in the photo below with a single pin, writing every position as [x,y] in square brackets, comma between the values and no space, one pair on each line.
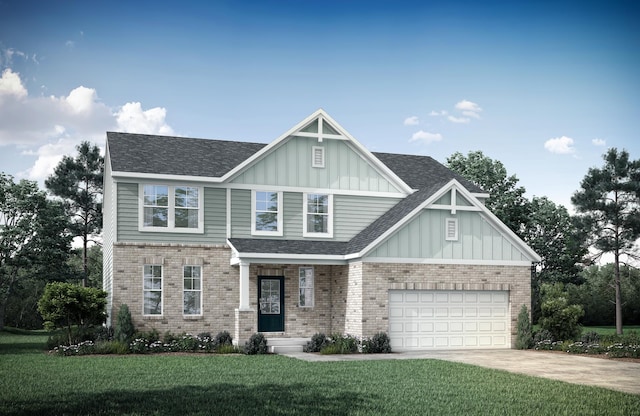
[246,326]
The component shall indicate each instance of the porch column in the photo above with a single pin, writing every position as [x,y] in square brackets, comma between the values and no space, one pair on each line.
[244,286]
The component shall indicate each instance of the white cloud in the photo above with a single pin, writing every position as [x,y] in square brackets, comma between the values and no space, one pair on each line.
[47,128]
[411,121]
[11,85]
[435,113]
[425,137]
[599,142]
[460,120]
[469,109]
[133,119]
[560,145]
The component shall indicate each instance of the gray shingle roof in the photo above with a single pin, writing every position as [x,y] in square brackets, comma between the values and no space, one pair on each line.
[167,155]
[141,153]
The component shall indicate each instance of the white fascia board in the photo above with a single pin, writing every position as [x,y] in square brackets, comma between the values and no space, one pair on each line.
[163,177]
[266,149]
[469,262]
[331,191]
[491,217]
[388,173]
[271,258]
[470,197]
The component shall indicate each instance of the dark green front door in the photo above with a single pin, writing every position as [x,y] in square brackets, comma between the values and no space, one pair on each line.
[270,304]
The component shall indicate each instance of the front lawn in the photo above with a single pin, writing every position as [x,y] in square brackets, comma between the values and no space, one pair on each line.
[35,383]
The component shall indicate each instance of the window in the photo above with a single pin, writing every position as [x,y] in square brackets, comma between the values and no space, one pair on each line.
[171,208]
[152,289]
[305,299]
[192,290]
[266,213]
[451,229]
[317,157]
[318,218]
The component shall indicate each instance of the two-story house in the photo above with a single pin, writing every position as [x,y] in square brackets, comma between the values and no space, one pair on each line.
[309,233]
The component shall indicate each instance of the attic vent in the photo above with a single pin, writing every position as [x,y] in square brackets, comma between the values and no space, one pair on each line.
[451,228]
[317,157]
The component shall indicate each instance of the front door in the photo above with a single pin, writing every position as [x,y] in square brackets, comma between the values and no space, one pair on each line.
[270,304]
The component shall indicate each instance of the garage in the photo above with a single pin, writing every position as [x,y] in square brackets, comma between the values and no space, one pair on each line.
[438,319]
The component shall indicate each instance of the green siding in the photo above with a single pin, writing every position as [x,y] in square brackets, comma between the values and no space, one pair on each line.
[214,218]
[424,237]
[351,214]
[290,165]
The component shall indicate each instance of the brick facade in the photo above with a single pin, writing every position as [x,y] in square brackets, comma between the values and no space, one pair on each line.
[349,298]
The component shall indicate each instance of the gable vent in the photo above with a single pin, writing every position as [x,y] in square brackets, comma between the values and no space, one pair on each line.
[451,227]
[317,157]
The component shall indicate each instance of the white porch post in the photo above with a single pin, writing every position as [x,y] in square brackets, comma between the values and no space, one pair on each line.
[244,286]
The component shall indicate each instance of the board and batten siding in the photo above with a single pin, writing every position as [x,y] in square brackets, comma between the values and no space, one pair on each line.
[351,214]
[290,165]
[215,207]
[424,237]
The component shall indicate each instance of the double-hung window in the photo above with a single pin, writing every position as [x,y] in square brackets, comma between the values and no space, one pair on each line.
[305,284]
[171,208]
[318,215]
[266,213]
[192,290]
[152,289]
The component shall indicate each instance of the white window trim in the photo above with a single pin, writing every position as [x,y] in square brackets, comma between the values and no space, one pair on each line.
[171,228]
[183,290]
[161,291]
[314,149]
[453,221]
[305,211]
[313,288]
[278,232]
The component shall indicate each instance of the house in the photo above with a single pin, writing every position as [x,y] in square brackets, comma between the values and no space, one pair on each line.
[309,233]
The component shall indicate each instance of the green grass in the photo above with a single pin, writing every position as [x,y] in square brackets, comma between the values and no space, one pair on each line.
[610,330]
[35,383]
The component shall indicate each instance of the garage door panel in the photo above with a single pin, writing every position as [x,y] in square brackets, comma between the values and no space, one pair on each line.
[421,319]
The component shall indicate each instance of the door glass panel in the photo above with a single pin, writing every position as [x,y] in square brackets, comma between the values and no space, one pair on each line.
[270,297]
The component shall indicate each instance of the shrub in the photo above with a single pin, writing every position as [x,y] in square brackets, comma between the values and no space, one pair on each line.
[124,325]
[557,315]
[227,349]
[257,344]
[104,333]
[341,344]
[223,338]
[317,343]
[187,343]
[590,337]
[543,335]
[524,336]
[110,347]
[378,344]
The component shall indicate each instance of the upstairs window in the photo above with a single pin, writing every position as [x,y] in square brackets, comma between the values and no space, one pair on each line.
[318,218]
[171,208]
[266,213]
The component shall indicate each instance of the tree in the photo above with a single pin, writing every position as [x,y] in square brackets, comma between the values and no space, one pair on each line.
[608,204]
[78,182]
[524,336]
[506,199]
[32,235]
[554,235]
[66,304]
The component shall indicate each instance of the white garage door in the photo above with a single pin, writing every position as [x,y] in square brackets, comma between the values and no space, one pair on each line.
[434,319]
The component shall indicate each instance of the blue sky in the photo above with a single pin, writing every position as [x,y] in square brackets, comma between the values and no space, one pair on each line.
[543,87]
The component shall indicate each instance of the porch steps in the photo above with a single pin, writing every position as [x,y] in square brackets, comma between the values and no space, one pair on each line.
[286,345]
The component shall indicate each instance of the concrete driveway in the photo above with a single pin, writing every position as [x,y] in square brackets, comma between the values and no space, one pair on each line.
[572,368]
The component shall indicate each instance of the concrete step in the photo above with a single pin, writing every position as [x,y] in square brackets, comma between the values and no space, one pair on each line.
[286,345]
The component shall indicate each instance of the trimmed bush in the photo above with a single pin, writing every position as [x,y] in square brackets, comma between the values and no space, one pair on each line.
[223,338]
[317,343]
[257,344]
[341,344]
[378,344]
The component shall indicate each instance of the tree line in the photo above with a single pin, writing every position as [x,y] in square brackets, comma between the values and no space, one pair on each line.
[37,228]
